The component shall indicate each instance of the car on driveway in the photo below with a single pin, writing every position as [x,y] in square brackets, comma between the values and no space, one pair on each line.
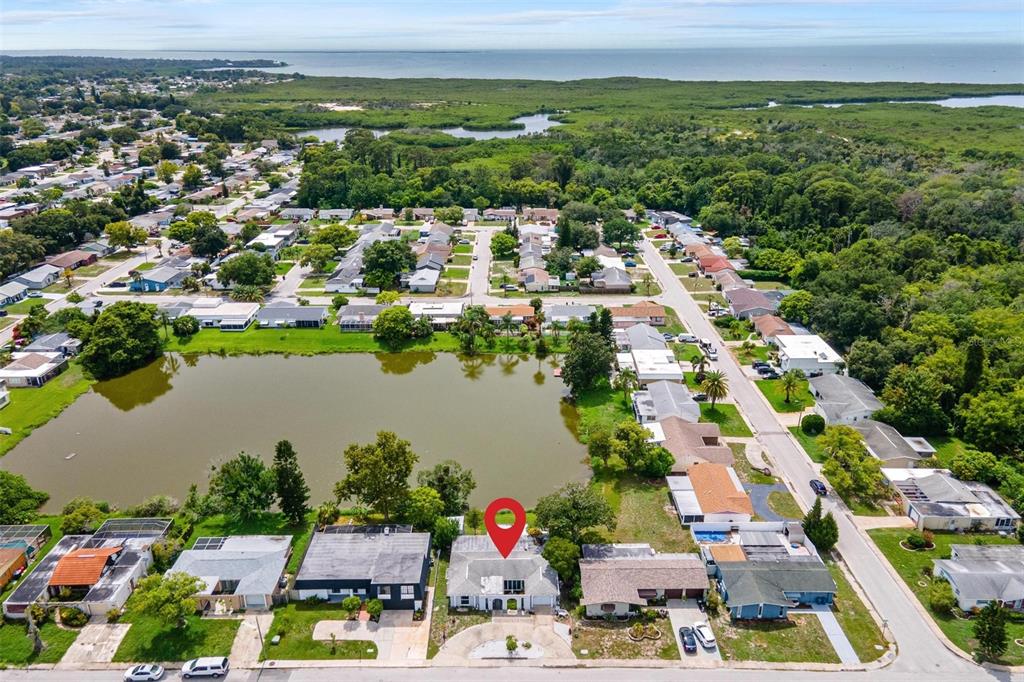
[686,338]
[759,364]
[687,638]
[144,673]
[704,634]
[668,337]
[818,487]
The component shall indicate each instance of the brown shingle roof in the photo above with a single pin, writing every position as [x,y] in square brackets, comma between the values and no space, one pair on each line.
[641,309]
[693,444]
[771,325]
[515,310]
[82,567]
[716,491]
[618,580]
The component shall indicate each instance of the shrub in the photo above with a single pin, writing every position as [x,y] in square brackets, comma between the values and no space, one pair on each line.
[72,617]
[114,615]
[812,424]
[352,604]
[313,600]
[941,598]
[39,613]
[186,325]
[374,607]
[761,275]
[916,541]
[339,301]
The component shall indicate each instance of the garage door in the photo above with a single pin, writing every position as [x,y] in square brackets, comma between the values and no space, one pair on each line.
[694,593]
[673,594]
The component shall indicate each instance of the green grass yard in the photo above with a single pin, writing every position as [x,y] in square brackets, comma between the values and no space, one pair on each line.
[728,418]
[784,505]
[748,357]
[853,616]
[799,400]
[799,639]
[644,513]
[16,647]
[25,306]
[600,408]
[150,639]
[30,408]
[911,565]
[294,624]
[462,259]
[254,341]
[809,444]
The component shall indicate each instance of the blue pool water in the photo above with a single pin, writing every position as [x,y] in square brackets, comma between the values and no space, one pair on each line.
[706,536]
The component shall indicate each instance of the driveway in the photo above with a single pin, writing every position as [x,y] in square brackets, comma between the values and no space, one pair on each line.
[538,630]
[96,643]
[480,269]
[685,612]
[759,493]
[397,636]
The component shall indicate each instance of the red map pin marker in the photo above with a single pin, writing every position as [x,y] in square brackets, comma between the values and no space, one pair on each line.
[505,539]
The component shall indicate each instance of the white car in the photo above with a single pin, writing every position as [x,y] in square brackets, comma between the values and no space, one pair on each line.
[704,634]
[205,667]
[144,673]
[686,338]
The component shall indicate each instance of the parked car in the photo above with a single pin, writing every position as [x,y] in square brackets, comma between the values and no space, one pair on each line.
[205,667]
[705,343]
[818,487]
[511,287]
[3,313]
[712,354]
[476,257]
[688,640]
[771,375]
[700,397]
[668,337]
[692,274]
[758,364]
[704,634]
[686,338]
[763,368]
[35,294]
[464,242]
[118,285]
[630,264]
[144,673]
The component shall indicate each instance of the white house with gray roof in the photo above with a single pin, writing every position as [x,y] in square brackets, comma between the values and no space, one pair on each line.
[935,500]
[840,399]
[39,278]
[238,572]
[639,337]
[664,399]
[480,578]
[283,314]
[884,442]
[564,313]
[980,574]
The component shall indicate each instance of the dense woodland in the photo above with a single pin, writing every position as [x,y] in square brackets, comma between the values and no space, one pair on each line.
[900,226]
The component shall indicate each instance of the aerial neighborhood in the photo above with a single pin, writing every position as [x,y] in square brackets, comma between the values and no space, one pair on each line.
[736,447]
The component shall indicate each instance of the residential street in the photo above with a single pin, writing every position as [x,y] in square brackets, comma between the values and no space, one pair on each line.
[920,649]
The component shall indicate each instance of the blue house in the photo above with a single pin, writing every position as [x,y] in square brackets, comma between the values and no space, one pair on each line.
[159,279]
[765,590]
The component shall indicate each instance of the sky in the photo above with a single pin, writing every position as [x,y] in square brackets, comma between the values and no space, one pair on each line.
[56,25]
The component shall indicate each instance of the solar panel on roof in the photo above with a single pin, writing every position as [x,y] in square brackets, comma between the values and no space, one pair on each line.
[208,543]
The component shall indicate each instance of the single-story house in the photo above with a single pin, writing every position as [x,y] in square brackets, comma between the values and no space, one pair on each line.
[619,579]
[540,215]
[980,574]
[40,277]
[745,303]
[651,365]
[160,278]
[389,563]
[441,314]
[32,369]
[521,314]
[646,312]
[424,281]
[664,399]
[564,313]
[808,353]
[298,214]
[764,590]
[935,500]
[358,318]
[281,314]
[229,316]
[727,280]
[480,578]
[538,280]
[770,326]
[379,213]
[431,260]
[238,572]
[12,292]
[336,214]
[691,443]
[72,260]
[60,342]
[884,442]
[507,215]
[639,337]
[840,399]
[710,492]
[101,247]
[752,541]
[712,264]
[612,280]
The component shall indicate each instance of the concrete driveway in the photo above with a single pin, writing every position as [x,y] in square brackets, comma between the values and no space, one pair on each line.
[685,612]
[538,630]
[96,643]
[397,636]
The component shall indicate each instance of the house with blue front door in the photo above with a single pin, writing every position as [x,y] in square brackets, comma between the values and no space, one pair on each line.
[767,590]
[159,279]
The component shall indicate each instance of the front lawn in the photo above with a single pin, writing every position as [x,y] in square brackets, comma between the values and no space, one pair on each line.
[294,624]
[727,417]
[463,248]
[784,505]
[684,352]
[445,624]
[602,639]
[25,306]
[743,468]
[644,513]
[683,269]
[298,342]
[748,357]
[799,399]
[809,444]
[16,647]
[860,628]
[150,639]
[911,566]
[30,408]
[462,259]
[673,325]
[801,639]
[282,267]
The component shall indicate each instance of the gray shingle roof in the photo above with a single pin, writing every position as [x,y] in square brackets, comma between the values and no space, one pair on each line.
[288,311]
[256,562]
[840,395]
[476,568]
[383,559]
[885,442]
[751,582]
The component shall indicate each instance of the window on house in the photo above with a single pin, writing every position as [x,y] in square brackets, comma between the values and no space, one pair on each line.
[384,592]
[464,600]
[408,591]
[515,587]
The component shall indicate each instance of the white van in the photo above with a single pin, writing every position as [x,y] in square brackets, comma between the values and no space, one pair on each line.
[205,667]
[705,343]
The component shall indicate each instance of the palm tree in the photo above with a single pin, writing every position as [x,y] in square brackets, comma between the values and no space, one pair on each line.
[326,514]
[647,282]
[626,381]
[699,362]
[165,321]
[504,283]
[507,325]
[791,382]
[716,386]
[556,330]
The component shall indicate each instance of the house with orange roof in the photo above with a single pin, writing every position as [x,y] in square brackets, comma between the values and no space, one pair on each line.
[712,264]
[644,312]
[521,314]
[710,492]
[770,326]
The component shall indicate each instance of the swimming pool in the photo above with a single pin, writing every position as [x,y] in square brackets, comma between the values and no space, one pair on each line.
[709,536]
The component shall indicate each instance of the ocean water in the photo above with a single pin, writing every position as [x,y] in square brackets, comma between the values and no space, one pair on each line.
[938,63]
